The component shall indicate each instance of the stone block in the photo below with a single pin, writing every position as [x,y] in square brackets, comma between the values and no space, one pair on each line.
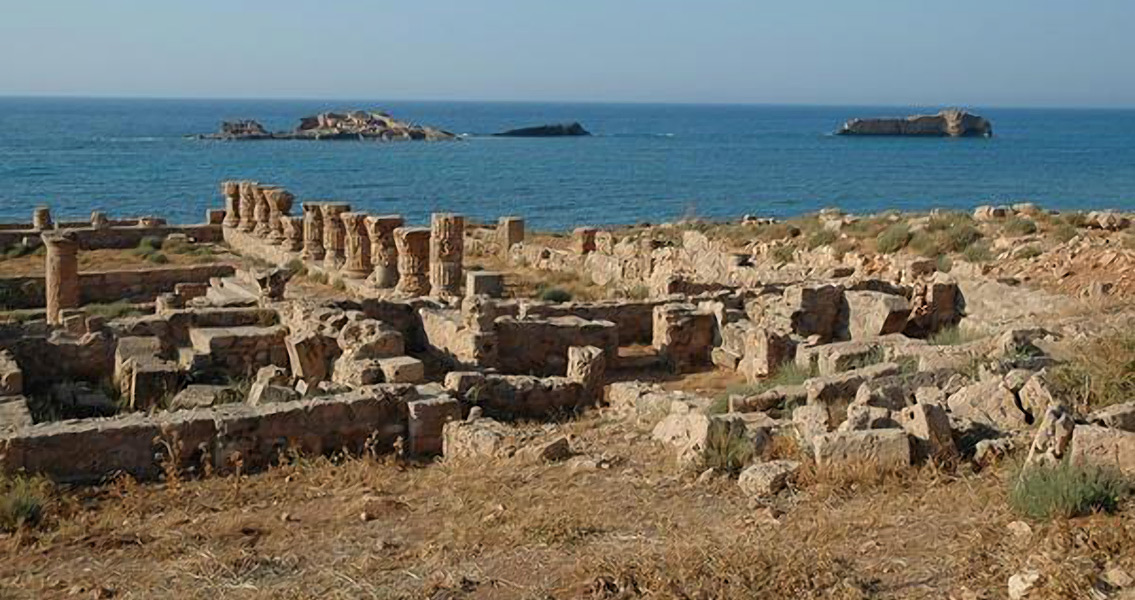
[1101,446]
[872,314]
[427,419]
[14,412]
[862,418]
[402,369]
[683,335]
[480,438]
[765,351]
[763,480]
[928,426]
[883,449]
[484,283]
[1116,416]
[11,377]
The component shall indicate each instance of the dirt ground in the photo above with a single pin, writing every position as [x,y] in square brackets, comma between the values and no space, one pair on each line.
[617,521]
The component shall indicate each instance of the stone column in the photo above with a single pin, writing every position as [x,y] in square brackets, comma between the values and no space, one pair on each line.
[333,234]
[62,275]
[447,250]
[413,260]
[383,252]
[263,212]
[279,205]
[510,232]
[247,206]
[41,219]
[293,233]
[99,220]
[585,239]
[312,232]
[231,191]
[356,260]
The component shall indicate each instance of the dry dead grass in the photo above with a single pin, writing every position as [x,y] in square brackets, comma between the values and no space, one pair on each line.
[508,529]
[106,260]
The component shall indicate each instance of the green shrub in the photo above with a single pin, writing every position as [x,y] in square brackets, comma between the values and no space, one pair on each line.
[19,250]
[638,292]
[784,253]
[555,295]
[893,238]
[1075,219]
[297,266]
[978,253]
[926,244]
[22,502]
[149,244]
[1018,226]
[1028,252]
[958,239]
[728,448]
[946,221]
[1066,490]
[822,237]
[158,258]
[1064,232]
[953,336]
[944,263]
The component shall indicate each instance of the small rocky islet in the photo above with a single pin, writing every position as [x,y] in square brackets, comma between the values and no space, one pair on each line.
[951,122]
[353,125]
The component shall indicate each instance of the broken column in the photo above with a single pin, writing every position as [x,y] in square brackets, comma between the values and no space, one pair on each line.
[447,245]
[413,245]
[279,205]
[312,232]
[510,232]
[334,235]
[62,275]
[585,239]
[99,220]
[383,252]
[478,315]
[263,212]
[356,246]
[41,219]
[231,191]
[588,366]
[247,206]
[293,233]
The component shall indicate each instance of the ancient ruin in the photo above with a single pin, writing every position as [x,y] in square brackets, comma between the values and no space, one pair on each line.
[343,332]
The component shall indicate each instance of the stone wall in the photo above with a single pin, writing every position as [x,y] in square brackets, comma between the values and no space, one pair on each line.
[633,318]
[89,357]
[116,238]
[110,286]
[540,346]
[252,437]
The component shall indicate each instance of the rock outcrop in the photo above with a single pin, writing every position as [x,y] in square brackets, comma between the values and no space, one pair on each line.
[556,130]
[948,123]
[354,125]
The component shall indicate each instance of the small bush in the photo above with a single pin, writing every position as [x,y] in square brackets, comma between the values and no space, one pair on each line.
[926,244]
[784,253]
[728,448]
[149,244]
[958,239]
[978,253]
[339,284]
[638,292]
[1066,490]
[1064,232]
[158,258]
[947,221]
[317,277]
[22,502]
[893,238]
[823,237]
[1018,226]
[19,250]
[1028,252]
[944,263]
[1100,372]
[1075,219]
[555,295]
[297,266]
[953,336]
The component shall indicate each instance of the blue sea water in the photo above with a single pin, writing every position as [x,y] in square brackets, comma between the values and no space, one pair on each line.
[645,163]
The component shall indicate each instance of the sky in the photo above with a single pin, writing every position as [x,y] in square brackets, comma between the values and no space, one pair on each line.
[869,52]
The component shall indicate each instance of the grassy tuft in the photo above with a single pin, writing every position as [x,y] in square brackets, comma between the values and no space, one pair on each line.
[113,310]
[784,253]
[1018,226]
[158,258]
[1100,371]
[893,238]
[953,336]
[1027,252]
[22,502]
[1066,490]
[728,448]
[978,253]
[823,237]
[555,295]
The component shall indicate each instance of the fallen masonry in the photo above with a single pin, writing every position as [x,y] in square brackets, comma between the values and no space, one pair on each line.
[415,351]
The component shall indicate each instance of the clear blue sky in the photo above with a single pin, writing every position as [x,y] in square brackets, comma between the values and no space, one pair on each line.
[966,52]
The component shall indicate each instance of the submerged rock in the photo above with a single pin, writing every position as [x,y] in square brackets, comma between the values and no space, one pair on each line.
[556,130]
[948,123]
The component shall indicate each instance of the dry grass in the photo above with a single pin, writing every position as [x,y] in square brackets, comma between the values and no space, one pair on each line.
[115,260]
[509,529]
[1100,371]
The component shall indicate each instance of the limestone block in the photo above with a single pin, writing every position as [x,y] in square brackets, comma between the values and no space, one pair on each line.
[763,480]
[484,283]
[683,335]
[929,428]
[462,382]
[355,373]
[861,418]
[812,420]
[815,309]
[402,369]
[843,387]
[480,438]
[205,396]
[1116,416]
[988,402]
[427,419]
[1053,436]
[587,365]
[871,314]
[370,339]
[11,377]
[14,412]
[884,449]
[1101,446]
[764,352]
[720,357]
[310,356]
[510,231]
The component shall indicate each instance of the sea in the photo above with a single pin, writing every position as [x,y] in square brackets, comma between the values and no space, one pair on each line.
[645,162]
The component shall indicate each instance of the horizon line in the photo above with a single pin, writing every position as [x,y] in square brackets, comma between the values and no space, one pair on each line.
[4,96]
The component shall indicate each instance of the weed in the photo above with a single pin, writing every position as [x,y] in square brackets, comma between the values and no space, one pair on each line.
[960,238]
[113,310]
[1075,219]
[978,253]
[555,295]
[1100,372]
[893,238]
[158,258]
[1064,232]
[944,263]
[1027,252]
[297,266]
[953,336]
[638,292]
[1018,226]
[728,448]
[22,502]
[823,237]
[784,253]
[339,284]
[1066,490]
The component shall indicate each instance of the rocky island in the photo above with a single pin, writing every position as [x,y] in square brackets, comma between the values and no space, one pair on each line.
[353,125]
[555,130]
[947,123]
